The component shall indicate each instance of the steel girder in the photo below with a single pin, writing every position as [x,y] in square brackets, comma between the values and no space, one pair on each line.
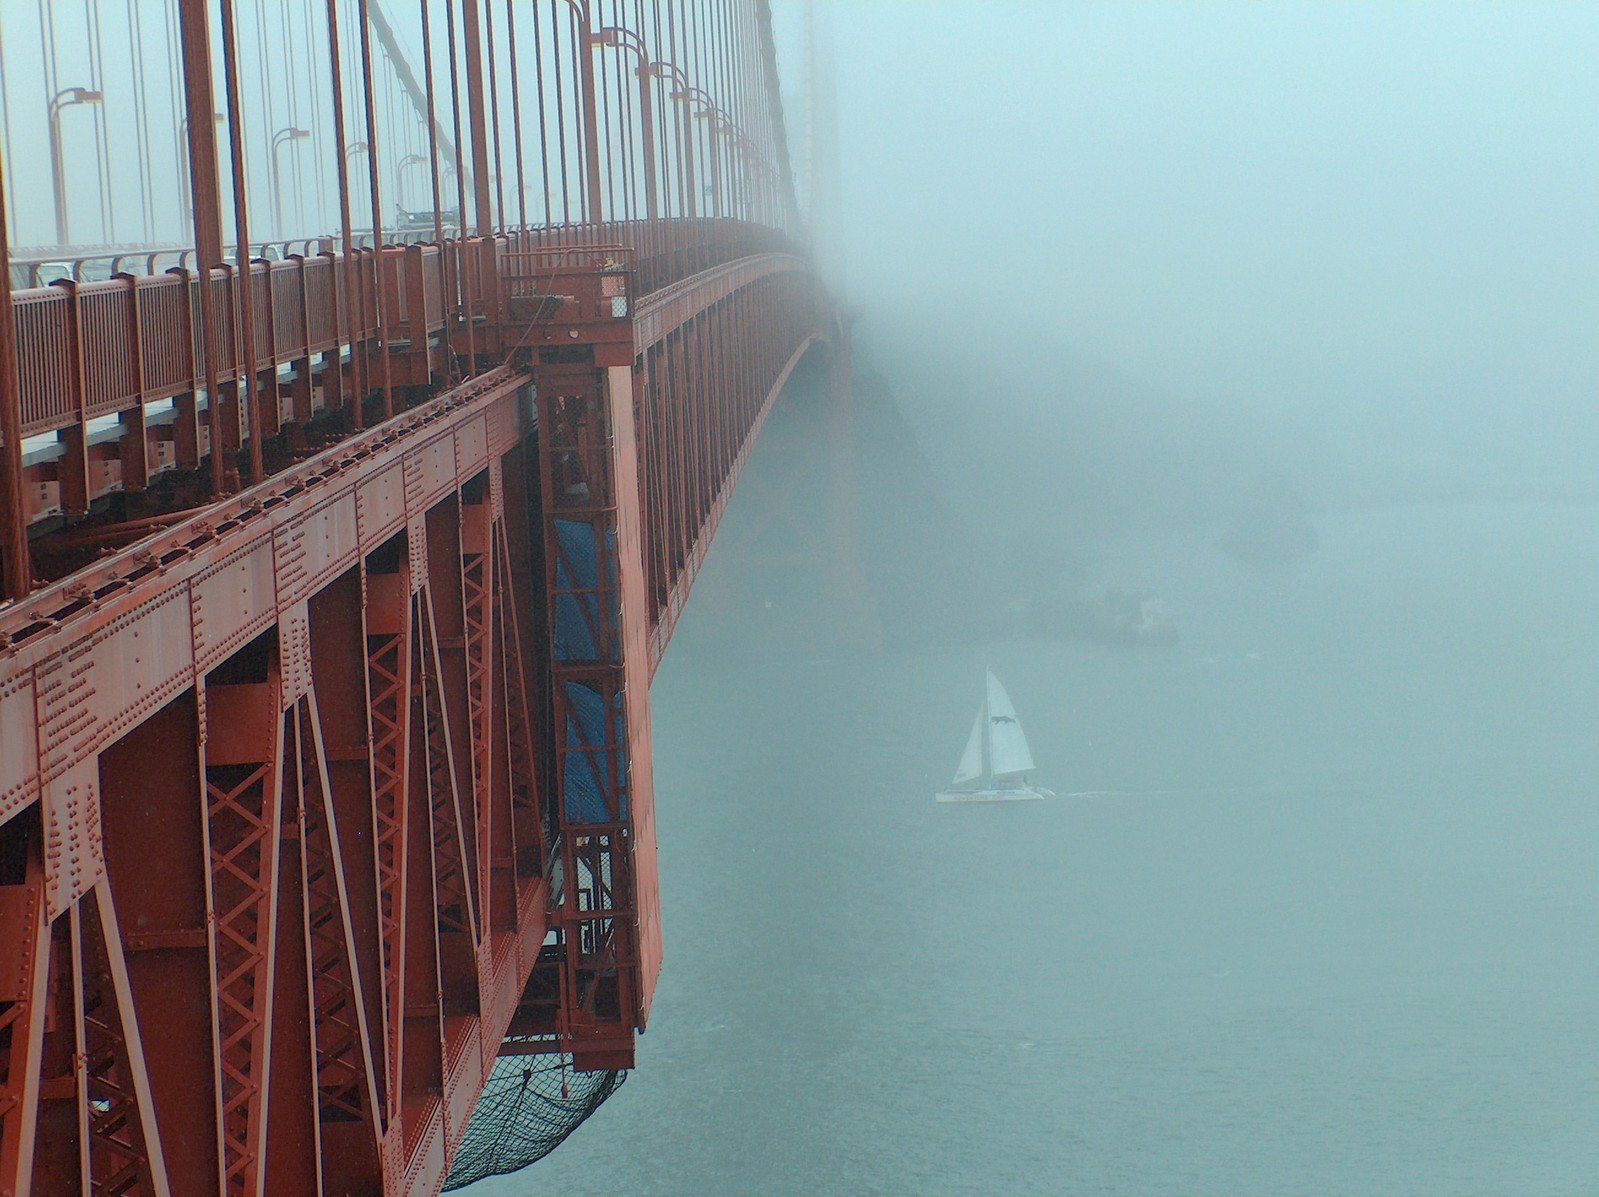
[281,785]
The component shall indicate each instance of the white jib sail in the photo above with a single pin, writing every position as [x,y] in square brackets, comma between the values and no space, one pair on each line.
[971,766]
[1007,746]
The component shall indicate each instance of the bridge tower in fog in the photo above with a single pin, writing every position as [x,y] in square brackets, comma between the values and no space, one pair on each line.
[349,496]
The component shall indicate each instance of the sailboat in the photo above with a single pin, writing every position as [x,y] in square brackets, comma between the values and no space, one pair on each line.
[997,758]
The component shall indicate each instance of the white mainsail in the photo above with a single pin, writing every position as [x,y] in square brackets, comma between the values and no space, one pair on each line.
[1007,746]
[971,766]
[996,747]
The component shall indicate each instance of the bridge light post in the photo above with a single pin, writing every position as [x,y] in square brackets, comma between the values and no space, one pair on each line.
[446,187]
[278,139]
[399,174]
[753,163]
[708,112]
[58,176]
[745,160]
[685,132]
[747,184]
[351,150]
[595,212]
[217,118]
[626,39]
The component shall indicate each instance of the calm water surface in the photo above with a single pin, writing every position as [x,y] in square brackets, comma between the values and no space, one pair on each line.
[1338,932]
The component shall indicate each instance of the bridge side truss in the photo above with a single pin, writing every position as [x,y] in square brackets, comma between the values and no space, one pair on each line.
[315,803]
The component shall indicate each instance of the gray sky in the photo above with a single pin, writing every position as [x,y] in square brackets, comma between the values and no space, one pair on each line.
[1363,228]
[1351,241]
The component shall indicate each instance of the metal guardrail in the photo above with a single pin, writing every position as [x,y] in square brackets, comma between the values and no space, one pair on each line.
[128,331]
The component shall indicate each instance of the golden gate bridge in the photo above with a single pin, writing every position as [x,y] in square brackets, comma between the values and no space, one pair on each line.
[349,501]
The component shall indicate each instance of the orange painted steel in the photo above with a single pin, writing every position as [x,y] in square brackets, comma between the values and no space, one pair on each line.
[318,797]
[139,344]
[309,709]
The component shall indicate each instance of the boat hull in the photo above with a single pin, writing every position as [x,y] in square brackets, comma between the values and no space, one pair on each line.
[1021,794]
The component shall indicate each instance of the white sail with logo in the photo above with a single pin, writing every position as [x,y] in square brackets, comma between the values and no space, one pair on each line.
[997,747]
[1007,746]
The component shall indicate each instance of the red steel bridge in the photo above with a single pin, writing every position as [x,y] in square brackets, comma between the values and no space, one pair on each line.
[352,486]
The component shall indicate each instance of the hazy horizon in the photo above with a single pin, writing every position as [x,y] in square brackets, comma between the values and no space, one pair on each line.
[1340,241]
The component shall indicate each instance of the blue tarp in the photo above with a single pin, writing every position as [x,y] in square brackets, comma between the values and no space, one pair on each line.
[588,761]
[577,568]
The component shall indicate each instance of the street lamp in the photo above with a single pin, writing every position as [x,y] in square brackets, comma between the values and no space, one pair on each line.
[722,124]
[626,39]
[58,179]
[594,211]
[350,151]
[717,121]
[399,173]
[282,135]
[217,118]
[754,168]
[686,130]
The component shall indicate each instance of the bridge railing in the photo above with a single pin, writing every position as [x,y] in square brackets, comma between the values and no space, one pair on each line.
[117,369]
[41,268]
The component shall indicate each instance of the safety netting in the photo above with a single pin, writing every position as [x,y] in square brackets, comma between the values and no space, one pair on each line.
[526,1110]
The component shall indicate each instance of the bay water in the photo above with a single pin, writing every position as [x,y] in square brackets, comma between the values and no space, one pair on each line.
[1317,911]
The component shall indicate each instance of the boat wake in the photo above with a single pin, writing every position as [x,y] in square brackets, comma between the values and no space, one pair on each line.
[1220,791]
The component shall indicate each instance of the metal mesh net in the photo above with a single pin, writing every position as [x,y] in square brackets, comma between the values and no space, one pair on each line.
[526,1110]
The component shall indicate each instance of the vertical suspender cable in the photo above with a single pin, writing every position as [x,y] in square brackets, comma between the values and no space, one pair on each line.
[744,117]
[626,101]
[269,116]
[663,121]
[352,290]
[747,118]
[705,45]
[583,60]
[175,83]
[396,137]
[577,28]
[467,302]
[544,137]
[516,114]
[8,181]
[477,119]
[752,122]
[141,112]
[102,139]
[433,129]
[249,385]
[698,73]
[723,92]
[494,110]
[725,101]
[199,104]
[18,576]
[684,154]
[717,86]
[47,37]
[560,107]
[624,147]
[604,143]
[318,149]
[742,132]
[377,210]
[293,47]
